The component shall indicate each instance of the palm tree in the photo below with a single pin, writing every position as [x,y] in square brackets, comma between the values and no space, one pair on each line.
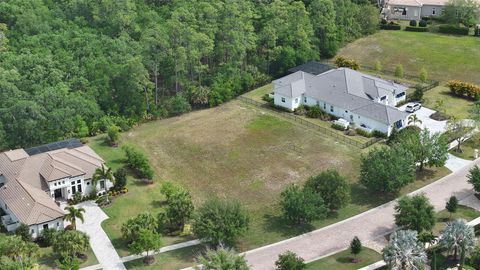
[103,173]
[413,120]
[458,235]
[222,258]
[73,214]
[404,252]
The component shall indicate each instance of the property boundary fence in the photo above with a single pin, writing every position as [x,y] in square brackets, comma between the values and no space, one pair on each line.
[341,138]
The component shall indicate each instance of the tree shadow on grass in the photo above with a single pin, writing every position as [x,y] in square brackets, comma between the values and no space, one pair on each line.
[360,195]
[120,244]
[345,259]
[280,225]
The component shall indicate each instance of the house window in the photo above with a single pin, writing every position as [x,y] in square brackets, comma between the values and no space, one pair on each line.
[45,226]
[63,182]
[324,105]
[383,98]
[74,190]
[79,187]
[73,183]
[32,231]
[102,184]
[58,224]
[400,95]
[79,181]
[331,108]
[351,117]
[283,99]
[305,99]
[88,183]
[55,184]
[398,124]
[433,11]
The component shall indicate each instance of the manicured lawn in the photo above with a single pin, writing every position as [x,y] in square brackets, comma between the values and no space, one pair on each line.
[47,259]
[238,152]
[468,147]
[177,259]
[343,260]
[258,93]
[445,57]
[455,106]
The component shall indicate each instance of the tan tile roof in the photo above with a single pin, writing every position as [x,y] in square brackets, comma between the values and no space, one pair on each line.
[25,191]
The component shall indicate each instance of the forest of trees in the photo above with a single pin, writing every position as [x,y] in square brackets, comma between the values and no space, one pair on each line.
[69,68]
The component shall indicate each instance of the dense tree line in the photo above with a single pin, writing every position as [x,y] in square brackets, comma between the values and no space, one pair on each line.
[67,68]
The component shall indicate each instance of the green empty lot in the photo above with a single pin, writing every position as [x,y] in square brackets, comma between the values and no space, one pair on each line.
[445,57]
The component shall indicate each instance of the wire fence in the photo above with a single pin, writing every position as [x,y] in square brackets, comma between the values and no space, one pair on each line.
[327,131]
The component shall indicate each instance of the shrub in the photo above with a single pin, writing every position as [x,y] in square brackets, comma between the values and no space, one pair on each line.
[24,232]
[474,178]
[120,178]
[355,247]
[267,98]
[177,105]
[453,29]
[383,21]
[301,110]
[413,23]
[416,29]
[363,133]
[113,133]
[315,112]
[379,134]
[399,71]
[138,162]
[415,213]
[464,89]
[289,261]
[417,94]
[341,61]
[391,26]
[423,75]
[331,187]
[48,236]
[131,228]
[302,205]
[338,127]
[422,23]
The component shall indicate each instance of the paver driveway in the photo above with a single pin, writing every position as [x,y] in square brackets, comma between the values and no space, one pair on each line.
[106,254]
[424,115]
[367,226]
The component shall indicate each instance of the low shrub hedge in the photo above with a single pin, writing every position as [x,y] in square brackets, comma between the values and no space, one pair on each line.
[338,127]
[423,23]
[416,29]
[453,29]
[391,26]
[464,89]
[364,133]
[413,23]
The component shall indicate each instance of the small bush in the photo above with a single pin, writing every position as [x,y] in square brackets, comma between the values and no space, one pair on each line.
[350,132]
[301,110]
[341,61]
[453,29]
[422,23]
[391,26]
[315,112]
[267,98]
[177,105]
[383,21]
[364,133]
[120,178]
[413,23]
[113,133]
[417,94]
[416,29]
[338,127]
[399,71]
[289,261]
[464,89]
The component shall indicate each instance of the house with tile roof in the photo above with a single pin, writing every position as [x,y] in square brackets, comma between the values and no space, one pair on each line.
[364,101]
[32,184]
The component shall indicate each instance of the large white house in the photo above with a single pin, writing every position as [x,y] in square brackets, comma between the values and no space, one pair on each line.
[413,9]
[363,100]
[32,180]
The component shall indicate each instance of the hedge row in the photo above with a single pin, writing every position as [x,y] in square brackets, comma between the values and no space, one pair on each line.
[453,29]
[416,29]
[464,89]
[390,26]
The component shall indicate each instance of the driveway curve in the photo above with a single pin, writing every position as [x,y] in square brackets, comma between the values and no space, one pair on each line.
[368,226]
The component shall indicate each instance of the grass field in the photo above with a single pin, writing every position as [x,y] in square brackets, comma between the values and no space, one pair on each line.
[445,57]
[238,152]
[343,260]
[468,147]
[454,106]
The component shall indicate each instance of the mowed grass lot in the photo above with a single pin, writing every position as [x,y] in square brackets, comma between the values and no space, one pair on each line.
[238,152]
[454,106]
[445,57]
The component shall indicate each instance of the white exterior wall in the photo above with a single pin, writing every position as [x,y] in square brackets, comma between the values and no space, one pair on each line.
[427,10]
[400,99]
[290,103]
[37,229]
[413,13]
[15,220]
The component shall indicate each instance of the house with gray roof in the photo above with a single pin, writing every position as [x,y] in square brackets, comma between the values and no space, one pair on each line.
[363,100]
[30,184]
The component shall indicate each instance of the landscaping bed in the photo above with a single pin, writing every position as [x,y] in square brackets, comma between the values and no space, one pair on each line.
[343,260]
[47,257]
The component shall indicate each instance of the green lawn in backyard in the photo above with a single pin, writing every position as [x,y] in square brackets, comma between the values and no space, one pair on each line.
[238,152]
[343,260]
[177,259]
[445,57]
[47,258]
[258,93]
[454,106]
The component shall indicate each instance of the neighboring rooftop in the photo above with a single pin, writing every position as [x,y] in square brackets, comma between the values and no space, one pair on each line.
[312,67]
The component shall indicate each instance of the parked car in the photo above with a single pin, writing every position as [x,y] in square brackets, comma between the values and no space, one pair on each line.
[413,107]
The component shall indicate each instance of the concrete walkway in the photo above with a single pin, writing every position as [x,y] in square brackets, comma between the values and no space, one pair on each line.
[455,163]
[368,226]
[106,254]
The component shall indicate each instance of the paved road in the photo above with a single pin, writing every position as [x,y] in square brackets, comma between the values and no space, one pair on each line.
[106,254]
[368,226]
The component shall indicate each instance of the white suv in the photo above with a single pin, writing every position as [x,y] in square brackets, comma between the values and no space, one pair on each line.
[413,107]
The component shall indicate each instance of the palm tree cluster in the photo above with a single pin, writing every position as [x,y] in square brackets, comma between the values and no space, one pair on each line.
[404,252]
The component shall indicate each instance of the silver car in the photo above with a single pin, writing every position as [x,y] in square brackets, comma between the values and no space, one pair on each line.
[413,107]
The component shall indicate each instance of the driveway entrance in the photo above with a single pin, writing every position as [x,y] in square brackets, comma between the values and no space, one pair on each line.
[424,115]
